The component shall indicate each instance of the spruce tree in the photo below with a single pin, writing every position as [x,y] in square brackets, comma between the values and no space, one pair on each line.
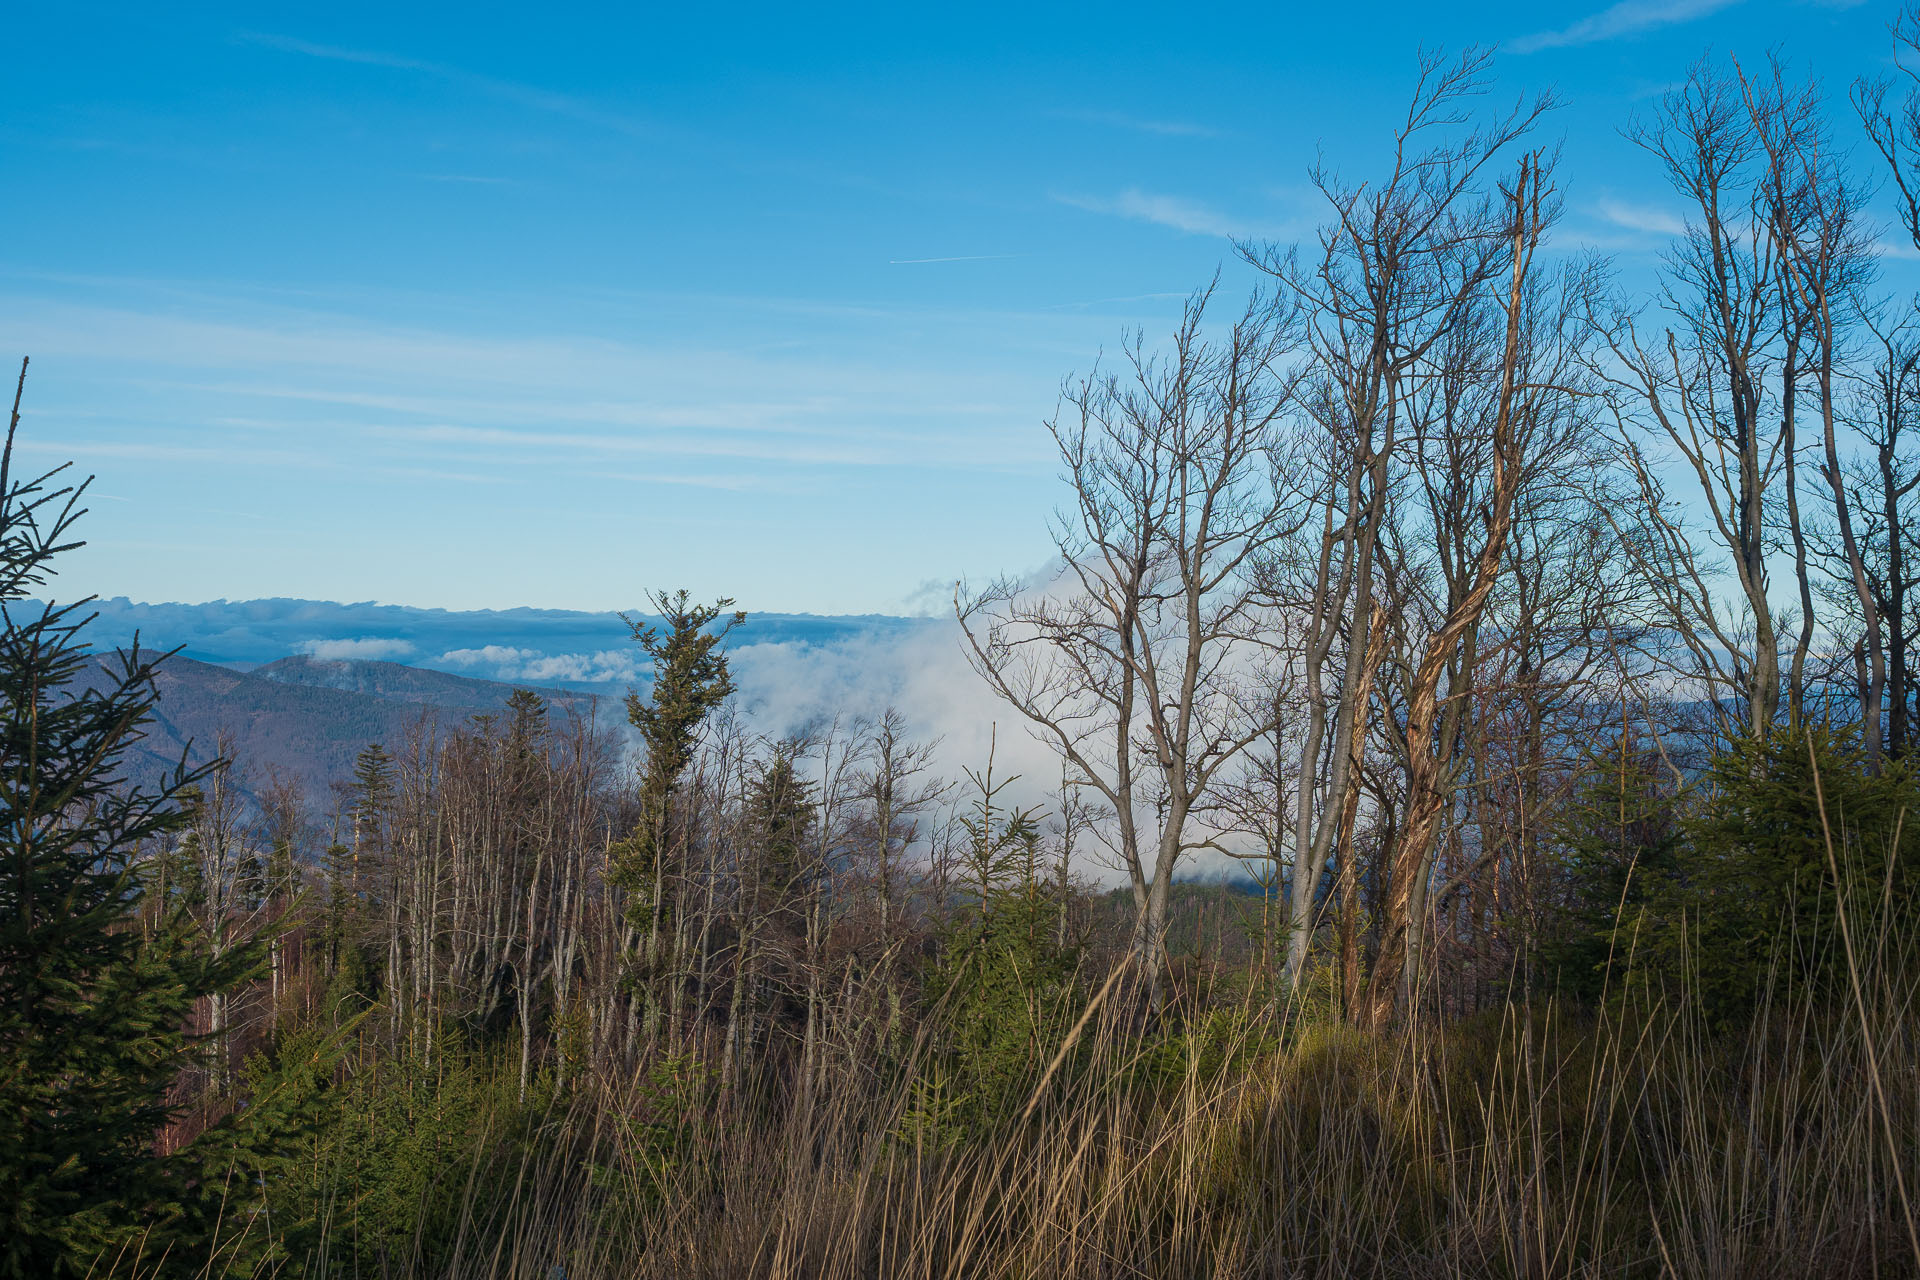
[1794,827]
[1006,982]
[779,879]
[781,803]
[690,680]
[93,1009]
[1618,841]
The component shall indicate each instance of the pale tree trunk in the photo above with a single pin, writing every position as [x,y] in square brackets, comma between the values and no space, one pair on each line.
[1348,871]
[1313,843]
[1400,268]
[1427,787]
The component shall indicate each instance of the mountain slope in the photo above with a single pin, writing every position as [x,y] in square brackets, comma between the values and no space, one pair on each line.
[307,719]
[391,681]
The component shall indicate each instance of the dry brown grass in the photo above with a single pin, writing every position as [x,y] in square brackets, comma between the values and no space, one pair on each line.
[1521,1144]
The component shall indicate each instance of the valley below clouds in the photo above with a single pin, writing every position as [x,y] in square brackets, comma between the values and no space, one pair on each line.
[794,672]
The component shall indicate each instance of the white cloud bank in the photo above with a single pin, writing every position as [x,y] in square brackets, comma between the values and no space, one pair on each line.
[369,648]
[513,665]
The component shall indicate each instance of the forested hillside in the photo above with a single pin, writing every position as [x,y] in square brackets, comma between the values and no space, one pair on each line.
[300,719]
[1478,833]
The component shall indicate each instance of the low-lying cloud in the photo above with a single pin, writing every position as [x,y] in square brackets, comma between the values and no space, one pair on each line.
[363,648]
[796,674]
[515,665]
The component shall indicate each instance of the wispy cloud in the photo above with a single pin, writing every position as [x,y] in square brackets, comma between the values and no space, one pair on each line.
[296,388]
[706,445]
[440,474]
[1638,217]
[141,451]
[1125,297]
[334,53]
[1176,212]
[966,257]
[730,482]
[1159,128]
[1627,18]
[525,95]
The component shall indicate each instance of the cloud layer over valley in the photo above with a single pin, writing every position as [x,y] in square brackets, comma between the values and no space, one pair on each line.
[794,672]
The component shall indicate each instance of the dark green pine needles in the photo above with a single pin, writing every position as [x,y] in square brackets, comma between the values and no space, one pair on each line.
[94,1008]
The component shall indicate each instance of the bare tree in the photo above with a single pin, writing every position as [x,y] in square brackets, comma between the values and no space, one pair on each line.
[1887,410]
[1893,387]
[1894,126]
[1824,261]
[1487,418]
[1400,261]
[223,859]
[895,787]
[1139,661]
[1701,389]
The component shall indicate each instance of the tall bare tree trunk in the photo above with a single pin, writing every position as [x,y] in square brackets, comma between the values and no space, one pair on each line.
[1396,972]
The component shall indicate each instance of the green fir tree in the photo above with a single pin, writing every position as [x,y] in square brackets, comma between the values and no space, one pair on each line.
[93,1008]
[690,681]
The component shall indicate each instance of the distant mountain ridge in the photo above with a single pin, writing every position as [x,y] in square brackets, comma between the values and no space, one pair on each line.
[392,681]
[303,685]
[550,647]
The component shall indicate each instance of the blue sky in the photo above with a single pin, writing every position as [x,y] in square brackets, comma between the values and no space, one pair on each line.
[480,307]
